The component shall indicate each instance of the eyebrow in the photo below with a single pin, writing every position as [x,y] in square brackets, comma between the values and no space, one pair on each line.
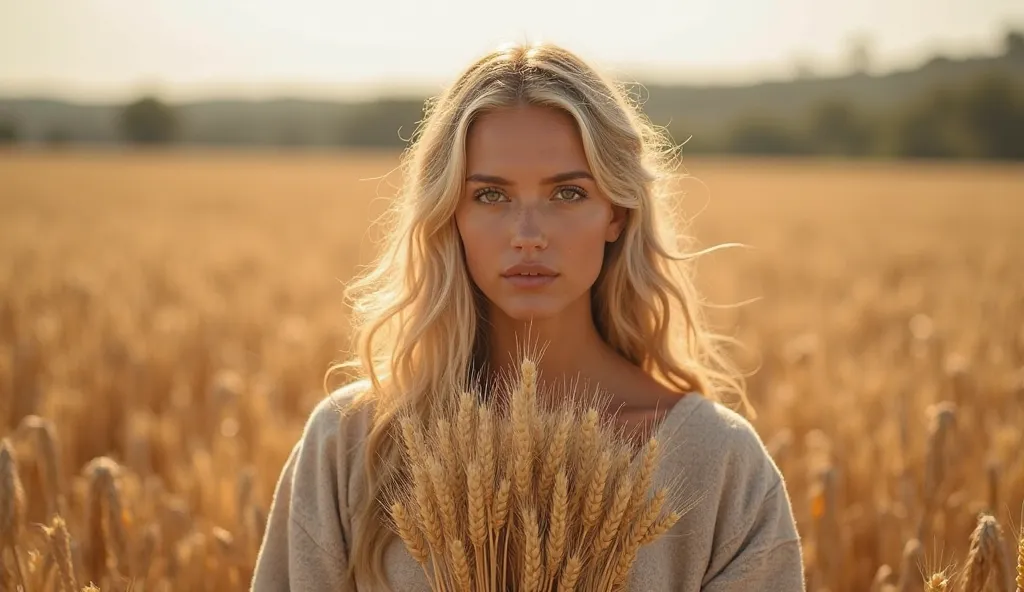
[559,178]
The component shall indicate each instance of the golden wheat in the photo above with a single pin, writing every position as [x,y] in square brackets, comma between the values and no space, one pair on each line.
[194,362]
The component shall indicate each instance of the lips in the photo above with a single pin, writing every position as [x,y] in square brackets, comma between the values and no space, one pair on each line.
[529,270]
[529,275]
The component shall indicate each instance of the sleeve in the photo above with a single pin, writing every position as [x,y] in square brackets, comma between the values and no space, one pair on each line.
[304,547]
[766,556]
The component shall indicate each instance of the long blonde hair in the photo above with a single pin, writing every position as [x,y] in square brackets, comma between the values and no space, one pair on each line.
[415,310]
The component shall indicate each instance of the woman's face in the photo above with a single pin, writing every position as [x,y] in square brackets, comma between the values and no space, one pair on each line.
[533,223]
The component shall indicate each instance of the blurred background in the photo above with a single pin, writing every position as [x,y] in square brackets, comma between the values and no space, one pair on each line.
[899,79]
[186,186]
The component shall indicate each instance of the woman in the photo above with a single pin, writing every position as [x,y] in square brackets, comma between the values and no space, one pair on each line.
[534,199]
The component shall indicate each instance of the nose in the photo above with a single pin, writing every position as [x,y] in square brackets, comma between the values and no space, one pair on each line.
[527,231]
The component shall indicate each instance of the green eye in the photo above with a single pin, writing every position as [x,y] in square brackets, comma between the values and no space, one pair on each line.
[489,196]
[571,193]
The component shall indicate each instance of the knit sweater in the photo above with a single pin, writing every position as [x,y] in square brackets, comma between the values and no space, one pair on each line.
[737,531]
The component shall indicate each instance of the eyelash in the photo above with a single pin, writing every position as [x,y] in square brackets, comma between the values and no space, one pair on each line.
[581,192]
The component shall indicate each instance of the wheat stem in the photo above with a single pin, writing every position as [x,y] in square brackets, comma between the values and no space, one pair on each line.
[1020,560]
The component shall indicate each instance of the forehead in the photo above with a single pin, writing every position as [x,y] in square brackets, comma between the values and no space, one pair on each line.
[524,140]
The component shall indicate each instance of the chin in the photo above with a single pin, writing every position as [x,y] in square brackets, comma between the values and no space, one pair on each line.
[529,309]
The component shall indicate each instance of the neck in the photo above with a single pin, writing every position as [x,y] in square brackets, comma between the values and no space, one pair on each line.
[566,348]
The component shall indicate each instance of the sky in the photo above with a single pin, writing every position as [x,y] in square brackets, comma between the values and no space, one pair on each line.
[191,49]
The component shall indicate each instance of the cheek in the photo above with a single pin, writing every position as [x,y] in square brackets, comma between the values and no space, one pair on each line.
[583,240]
[478,243]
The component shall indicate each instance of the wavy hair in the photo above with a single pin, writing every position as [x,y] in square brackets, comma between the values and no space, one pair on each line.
[416,313]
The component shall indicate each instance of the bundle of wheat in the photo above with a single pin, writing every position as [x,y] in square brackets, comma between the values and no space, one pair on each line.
[529,498]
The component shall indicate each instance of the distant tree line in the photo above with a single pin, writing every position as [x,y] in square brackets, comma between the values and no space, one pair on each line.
[980,116]
[983,120]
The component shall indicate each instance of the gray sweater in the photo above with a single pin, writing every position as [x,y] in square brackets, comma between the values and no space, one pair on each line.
[737,532]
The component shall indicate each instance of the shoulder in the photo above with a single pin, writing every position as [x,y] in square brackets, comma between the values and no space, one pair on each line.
[326,459]
[718,453]
[736,522]
[341,412]
[328,451]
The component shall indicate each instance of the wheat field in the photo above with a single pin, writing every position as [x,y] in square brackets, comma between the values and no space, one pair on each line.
[167,319]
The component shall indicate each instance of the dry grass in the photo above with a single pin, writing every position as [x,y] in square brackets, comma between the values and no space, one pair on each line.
[176,314]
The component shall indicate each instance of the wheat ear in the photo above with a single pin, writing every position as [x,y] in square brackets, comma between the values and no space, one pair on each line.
[430,522]
[883,579]
[643,481]
[485,435]
[413,440]
[59,542]
[460,566]
[637,532]
[532,567]
[661,527]
[610,526]
[105,517]
[983,558]
[938,582]
[554,455]
[522,444]
[465,426]
[444,497]
[477,514]
[943,417]
[571,574]
[594,500]
[410,534]
[452,469]
[585,454]
[555,544]
[499,521]
[44,439]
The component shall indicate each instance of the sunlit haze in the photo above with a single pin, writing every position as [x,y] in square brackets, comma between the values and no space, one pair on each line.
[110,49]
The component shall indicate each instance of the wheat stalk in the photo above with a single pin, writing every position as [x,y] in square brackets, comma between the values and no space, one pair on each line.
[909,568]
[40,432]
[943,417]
[105,517]
[12,512]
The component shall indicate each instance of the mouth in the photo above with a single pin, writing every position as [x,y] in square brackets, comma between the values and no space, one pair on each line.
[529,270]
[529,275]
[529,280]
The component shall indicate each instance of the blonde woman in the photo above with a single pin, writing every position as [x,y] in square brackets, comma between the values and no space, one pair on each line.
[535,199]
